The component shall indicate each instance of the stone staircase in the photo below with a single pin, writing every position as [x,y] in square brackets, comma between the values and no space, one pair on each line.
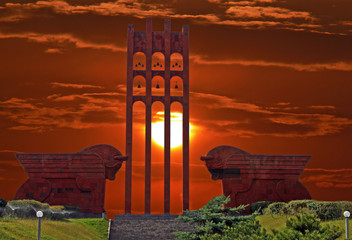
[147,227]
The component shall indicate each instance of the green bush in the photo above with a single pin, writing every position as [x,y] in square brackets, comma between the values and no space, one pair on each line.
[275,208]
[72,208]
[307,226]
[57,208]
[329,210]
[25,208]
[295,207]
[259,206]
[211,219]
[244,230]
[28,209]
[3,203]
[29,203]
[216,222]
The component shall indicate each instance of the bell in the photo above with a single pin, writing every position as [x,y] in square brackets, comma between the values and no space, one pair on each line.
[176,85]
[139,84]
[157,85]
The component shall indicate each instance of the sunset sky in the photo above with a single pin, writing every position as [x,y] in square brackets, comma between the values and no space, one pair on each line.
[266,76]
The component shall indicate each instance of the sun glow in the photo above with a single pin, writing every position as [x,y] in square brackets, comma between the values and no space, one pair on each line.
[176,129]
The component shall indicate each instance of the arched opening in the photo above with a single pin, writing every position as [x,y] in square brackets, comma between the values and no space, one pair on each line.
[139,61]
[158,61]
[176,86]
[157,168]
[138,163]
[176,62]
[139,86]
[158,86]
[176,158]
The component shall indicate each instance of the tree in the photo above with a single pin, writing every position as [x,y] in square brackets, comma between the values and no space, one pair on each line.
[212,219]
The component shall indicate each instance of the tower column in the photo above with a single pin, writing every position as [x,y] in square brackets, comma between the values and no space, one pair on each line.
[167,33]
[148,117]
[129,119]
[185,115]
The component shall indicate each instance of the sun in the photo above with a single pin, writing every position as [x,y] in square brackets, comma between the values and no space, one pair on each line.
[176,129]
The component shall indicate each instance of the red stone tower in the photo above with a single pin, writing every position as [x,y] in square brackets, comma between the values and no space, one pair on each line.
[142,45]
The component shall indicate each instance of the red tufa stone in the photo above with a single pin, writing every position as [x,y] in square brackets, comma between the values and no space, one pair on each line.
[249,178]
[72,179]
[149,42]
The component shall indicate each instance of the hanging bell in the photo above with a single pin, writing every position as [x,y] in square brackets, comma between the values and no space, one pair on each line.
[157,85]
[139,84]
[176,85]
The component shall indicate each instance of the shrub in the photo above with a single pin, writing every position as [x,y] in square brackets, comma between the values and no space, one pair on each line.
[296,206]
[28,209]
[244,230]
[72,208]
[275,208]
[3,203]
[29,203]
[345,206]
[307,226]
[325,210]
[259,206]
[57,208]
[1,211]
[211,219]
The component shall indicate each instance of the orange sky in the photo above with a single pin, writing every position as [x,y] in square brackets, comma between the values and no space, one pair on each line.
[267,76]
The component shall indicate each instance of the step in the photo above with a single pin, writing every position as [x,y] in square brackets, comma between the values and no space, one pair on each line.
[147,227]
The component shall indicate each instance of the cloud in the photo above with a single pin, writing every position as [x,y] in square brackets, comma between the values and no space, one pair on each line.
[345,23]
[323,107]
[257,14]
[115,8]
[12,163]
[283,103]
[266,12]
[225,115]
[73,85]
[313,67]
[228,116]
[87,110]
[234,13]
[61,40]
[8,151]
[213,101]
[53,50]
[328,178]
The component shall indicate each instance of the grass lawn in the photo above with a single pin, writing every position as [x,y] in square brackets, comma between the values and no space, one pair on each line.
[94,228]
[278,222]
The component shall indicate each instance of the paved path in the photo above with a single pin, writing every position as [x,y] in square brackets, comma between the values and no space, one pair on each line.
[135,227]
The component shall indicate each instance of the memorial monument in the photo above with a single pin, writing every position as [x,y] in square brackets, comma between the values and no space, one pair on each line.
[249,178]
[78,179]
[72,179]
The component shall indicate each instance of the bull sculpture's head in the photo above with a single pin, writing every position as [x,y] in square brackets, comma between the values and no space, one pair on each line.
[112,158]
[111,167]
[216,160]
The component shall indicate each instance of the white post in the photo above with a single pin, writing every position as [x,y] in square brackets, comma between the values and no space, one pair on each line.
[347,215]
[39,216]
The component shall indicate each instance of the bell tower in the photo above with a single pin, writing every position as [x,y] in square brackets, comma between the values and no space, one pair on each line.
[141,49]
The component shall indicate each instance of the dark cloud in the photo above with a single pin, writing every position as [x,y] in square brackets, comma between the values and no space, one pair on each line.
[246,119]
[328,178]
[85,110]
